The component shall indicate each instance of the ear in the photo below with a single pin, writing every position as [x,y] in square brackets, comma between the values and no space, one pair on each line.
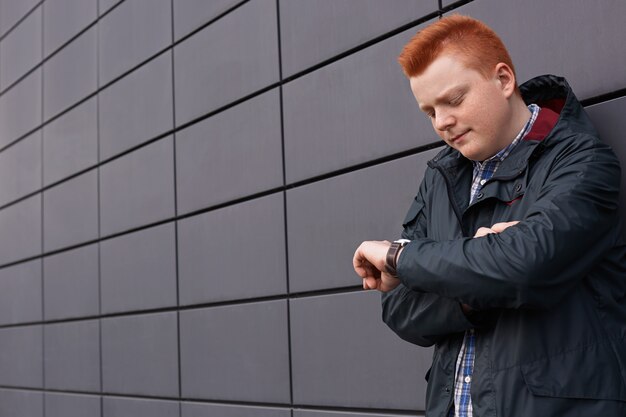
[506,79]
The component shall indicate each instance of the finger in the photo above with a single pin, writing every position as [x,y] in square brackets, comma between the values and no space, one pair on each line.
[360,271]
[500,227]
[371,283]
[483,231]
[357,259]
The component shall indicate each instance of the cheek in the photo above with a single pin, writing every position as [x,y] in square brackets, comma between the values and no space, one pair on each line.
[483,117]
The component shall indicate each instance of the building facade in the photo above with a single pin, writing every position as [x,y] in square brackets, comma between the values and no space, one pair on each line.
[183,184]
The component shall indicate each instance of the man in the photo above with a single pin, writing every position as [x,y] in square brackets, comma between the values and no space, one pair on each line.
[512,262]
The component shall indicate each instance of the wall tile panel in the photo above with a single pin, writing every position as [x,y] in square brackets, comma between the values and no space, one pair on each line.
[70,283]
[129,407]
[132,33]
[191,14]
[21,403]
[72,356]
[229,254]
[235,56]
[354,110]
[140,355]
[241,144]
[223,410]
[138,270]
[313,31]
[20,51]
[20,168]
[21,361]
[20,108]
[70,405]
[63,19]
[71,74]
[236,353]
[137,108]
[70,213]
[137,188]
[22,222]
[20,293]
[333,366]
[12,11]
[70,143]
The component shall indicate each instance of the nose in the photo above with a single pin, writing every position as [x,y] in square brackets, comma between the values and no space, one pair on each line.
[444,120]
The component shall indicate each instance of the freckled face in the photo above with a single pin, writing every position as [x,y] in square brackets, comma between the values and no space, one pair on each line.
[469,112]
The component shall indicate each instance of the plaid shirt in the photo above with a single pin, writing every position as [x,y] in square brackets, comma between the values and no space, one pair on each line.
[483,171]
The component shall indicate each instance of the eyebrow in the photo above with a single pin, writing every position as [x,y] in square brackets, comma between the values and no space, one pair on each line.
[448,94]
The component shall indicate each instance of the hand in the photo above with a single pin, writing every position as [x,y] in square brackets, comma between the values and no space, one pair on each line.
[369,264]
[496,228]
[385,283]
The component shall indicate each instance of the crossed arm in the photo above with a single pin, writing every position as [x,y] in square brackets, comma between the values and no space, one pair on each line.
[369,259]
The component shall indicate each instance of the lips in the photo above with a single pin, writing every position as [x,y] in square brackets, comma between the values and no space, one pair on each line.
[456,138]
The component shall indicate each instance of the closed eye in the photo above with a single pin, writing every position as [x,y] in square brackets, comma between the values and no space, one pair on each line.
[456,100]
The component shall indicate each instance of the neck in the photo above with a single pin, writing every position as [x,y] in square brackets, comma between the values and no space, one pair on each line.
[519,116]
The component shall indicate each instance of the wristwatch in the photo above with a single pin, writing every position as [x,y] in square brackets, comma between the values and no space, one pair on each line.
[392,256]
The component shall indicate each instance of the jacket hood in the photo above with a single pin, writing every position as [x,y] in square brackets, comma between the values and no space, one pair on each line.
[554,93]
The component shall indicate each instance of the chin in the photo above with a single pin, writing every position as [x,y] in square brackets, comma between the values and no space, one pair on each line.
[473,156]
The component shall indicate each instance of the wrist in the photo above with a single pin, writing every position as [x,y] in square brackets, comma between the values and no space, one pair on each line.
[393,253]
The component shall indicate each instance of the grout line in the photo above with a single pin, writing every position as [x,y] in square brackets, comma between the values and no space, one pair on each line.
[233,302]
[284,193]
[602,98]
[176,258]
[41,197]
[374,412]
[100,322]
[452,6]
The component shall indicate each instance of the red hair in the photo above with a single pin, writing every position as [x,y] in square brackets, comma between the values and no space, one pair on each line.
[473,41]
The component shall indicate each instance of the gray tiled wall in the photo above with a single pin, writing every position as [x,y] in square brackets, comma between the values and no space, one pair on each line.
[183,184]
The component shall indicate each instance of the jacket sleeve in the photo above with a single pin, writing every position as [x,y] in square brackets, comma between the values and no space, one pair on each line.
[416,316]
[422,318]
[533,264]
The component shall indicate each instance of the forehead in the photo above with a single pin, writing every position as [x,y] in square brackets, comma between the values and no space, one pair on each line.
[444,75]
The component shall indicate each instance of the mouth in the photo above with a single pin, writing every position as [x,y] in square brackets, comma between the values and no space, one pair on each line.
[458,137]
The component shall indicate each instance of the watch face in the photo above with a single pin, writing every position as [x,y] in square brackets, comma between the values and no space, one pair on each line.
[402,242]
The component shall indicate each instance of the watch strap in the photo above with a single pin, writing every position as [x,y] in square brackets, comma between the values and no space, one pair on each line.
[391,258]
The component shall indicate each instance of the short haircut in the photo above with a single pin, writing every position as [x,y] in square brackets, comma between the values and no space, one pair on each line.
[470,39]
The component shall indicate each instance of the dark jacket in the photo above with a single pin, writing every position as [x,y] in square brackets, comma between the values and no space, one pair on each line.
[550,292]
